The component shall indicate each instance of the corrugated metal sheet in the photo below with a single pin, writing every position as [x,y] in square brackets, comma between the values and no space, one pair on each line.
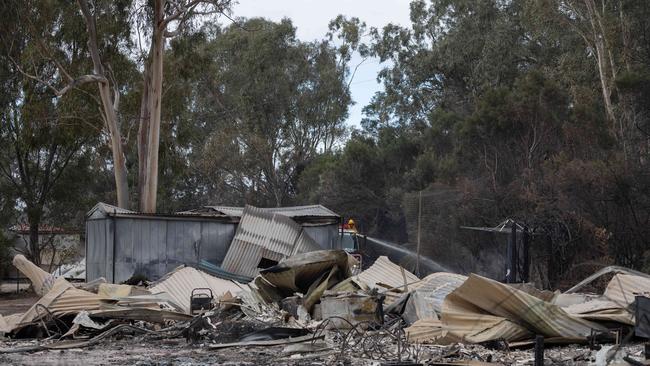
[101,209]
[293,211]
[180,283]
[383,271]
[261,234]
[601,310]
[62,299]
[327,236]
[624,287]
[482,300]
[121,243]
[152,247]
[463,321]
[425,330]
[299,272]
[604,271]
[41,280]
[436,286]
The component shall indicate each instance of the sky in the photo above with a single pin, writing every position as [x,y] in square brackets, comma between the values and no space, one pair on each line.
[311,17]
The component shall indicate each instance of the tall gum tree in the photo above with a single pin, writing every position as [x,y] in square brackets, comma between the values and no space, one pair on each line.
[165,19]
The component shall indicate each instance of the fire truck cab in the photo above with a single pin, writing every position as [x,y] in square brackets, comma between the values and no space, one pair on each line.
[349,240]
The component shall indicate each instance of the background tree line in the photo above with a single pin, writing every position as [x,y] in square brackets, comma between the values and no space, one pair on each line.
[524,109]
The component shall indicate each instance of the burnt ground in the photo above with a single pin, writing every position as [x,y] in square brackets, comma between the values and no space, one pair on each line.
[161,352]
[128,350]
[176,351]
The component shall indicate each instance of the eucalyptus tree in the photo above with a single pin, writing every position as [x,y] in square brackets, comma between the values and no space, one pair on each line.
[110,29]
[272,103]
[46,141]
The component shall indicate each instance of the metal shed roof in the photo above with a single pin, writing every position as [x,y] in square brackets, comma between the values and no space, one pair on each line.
[293,212]
[102,210]
[306,215]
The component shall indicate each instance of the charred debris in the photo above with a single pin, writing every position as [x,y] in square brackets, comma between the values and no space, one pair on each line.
[318,306]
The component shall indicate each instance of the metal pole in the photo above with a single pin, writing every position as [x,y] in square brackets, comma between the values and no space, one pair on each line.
[341,233]
[417,263]
[511,260]
[515,255]
[539,350]
[525,275]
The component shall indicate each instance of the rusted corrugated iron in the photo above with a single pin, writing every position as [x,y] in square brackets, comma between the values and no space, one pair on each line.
[262,238]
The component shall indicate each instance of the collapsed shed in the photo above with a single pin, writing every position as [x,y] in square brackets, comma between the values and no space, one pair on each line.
[122,243]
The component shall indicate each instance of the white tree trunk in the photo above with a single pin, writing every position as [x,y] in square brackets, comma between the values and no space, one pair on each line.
[155,100]
[108,106]
[143,137]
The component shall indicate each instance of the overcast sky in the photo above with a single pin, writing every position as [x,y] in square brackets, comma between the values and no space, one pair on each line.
[311,17]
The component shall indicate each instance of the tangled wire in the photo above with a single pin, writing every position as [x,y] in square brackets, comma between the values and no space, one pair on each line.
[385,341]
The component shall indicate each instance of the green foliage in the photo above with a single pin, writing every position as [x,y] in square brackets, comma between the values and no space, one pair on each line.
[501,103]
[492,109]
[252,108]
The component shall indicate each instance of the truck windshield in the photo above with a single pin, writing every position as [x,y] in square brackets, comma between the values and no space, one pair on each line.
[349,242]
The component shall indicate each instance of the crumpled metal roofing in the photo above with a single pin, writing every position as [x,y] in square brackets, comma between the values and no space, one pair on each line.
[179,284]
[309,273]
[293,212]
[41,280]
[465,322]
[604,271]
[383,271]
[425,330]
[436,286]
[601,310]
[61,299]
[624,287]
[262,234]
[500,300]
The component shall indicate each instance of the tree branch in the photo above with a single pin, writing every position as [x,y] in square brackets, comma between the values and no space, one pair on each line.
[74,83]
[85,79]
[183,11]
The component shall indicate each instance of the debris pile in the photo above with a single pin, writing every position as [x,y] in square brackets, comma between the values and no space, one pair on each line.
[311,305]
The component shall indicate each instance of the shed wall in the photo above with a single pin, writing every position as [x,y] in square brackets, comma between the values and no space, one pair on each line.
[152,247]
[327,236]
[99,249]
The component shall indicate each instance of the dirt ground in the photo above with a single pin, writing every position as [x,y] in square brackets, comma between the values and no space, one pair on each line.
[11,303]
